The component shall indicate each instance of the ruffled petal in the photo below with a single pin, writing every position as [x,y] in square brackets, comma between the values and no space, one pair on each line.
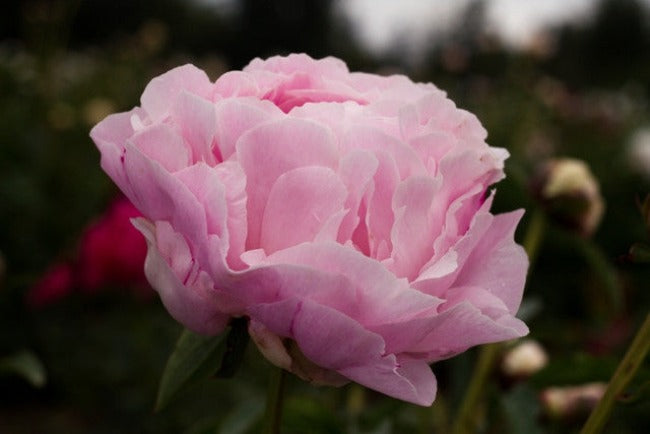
[309,196]
[162,91]
[271,149]
[189,303]
[337,342]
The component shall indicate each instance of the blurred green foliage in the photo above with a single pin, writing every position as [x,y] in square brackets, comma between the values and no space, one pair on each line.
[66,64]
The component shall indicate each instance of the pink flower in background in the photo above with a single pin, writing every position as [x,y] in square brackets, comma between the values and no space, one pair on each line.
[111,252]
[346,214]
[56,283]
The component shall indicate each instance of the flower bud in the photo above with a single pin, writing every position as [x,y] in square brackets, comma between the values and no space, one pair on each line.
[570,194]
[638,151]
[572,401]
[525,359]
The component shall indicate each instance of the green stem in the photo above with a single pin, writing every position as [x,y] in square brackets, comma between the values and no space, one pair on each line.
[488,355]
[466,419]
[622,377]
[273,415]
[534,235]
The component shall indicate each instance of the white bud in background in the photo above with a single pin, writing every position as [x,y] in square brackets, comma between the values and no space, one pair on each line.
[638,151]
[524,360]
[572,401]
[570,193]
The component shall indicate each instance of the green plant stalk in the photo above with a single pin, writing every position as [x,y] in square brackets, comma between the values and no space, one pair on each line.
[465,421]
[624,373]
[274,401]
[534,235]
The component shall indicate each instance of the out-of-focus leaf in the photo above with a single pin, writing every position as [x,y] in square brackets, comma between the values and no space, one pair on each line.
[198,357]
[522,410]
[308,416]
[605,271]
[243,417]
[575,369]
[193,355]
[385,427]
[640,253]
[26,365]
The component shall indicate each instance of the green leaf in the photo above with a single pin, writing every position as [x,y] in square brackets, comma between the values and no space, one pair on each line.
[24,364]
[604,269]
[522,409]
[198,357]
[243,417]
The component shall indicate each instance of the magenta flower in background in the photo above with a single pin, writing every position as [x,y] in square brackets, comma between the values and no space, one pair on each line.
[111,252]
[346,214]
[56,284]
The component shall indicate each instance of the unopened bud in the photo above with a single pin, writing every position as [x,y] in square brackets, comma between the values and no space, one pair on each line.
[573,401]
[571,194]
[524,360]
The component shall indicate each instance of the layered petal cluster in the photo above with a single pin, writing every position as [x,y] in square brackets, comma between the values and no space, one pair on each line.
[347,215]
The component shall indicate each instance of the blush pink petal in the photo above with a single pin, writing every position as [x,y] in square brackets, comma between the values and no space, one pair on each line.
[195,118]
[161,196]
[414,226]
[110,136]
[337,342]
[367,291]
[309,195]
[271,149]
[356,170]
[449,333]
[237,116]
[190,306]
[234,84]
[163,90]
[161,144]
[497,263]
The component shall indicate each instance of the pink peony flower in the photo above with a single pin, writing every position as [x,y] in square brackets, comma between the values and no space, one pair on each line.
[346,214]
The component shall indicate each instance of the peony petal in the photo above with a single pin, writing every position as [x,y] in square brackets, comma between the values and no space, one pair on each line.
[188,305]
[159,195]
[163,145]
[497,263]
[415,226]
[356,170]
[337,342]
[196,119]
[235,84]
[163,90]
[300,203]
[269,150]
[110,135]
[437,337]
[206,186]
[347,280]
[236,116]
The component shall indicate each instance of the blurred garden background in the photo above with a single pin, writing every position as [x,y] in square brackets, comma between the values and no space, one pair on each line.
[84,341]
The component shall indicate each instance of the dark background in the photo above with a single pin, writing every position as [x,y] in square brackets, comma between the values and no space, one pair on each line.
[583,93]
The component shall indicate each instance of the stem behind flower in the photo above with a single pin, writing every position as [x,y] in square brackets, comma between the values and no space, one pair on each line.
[622,377]
[274,400]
